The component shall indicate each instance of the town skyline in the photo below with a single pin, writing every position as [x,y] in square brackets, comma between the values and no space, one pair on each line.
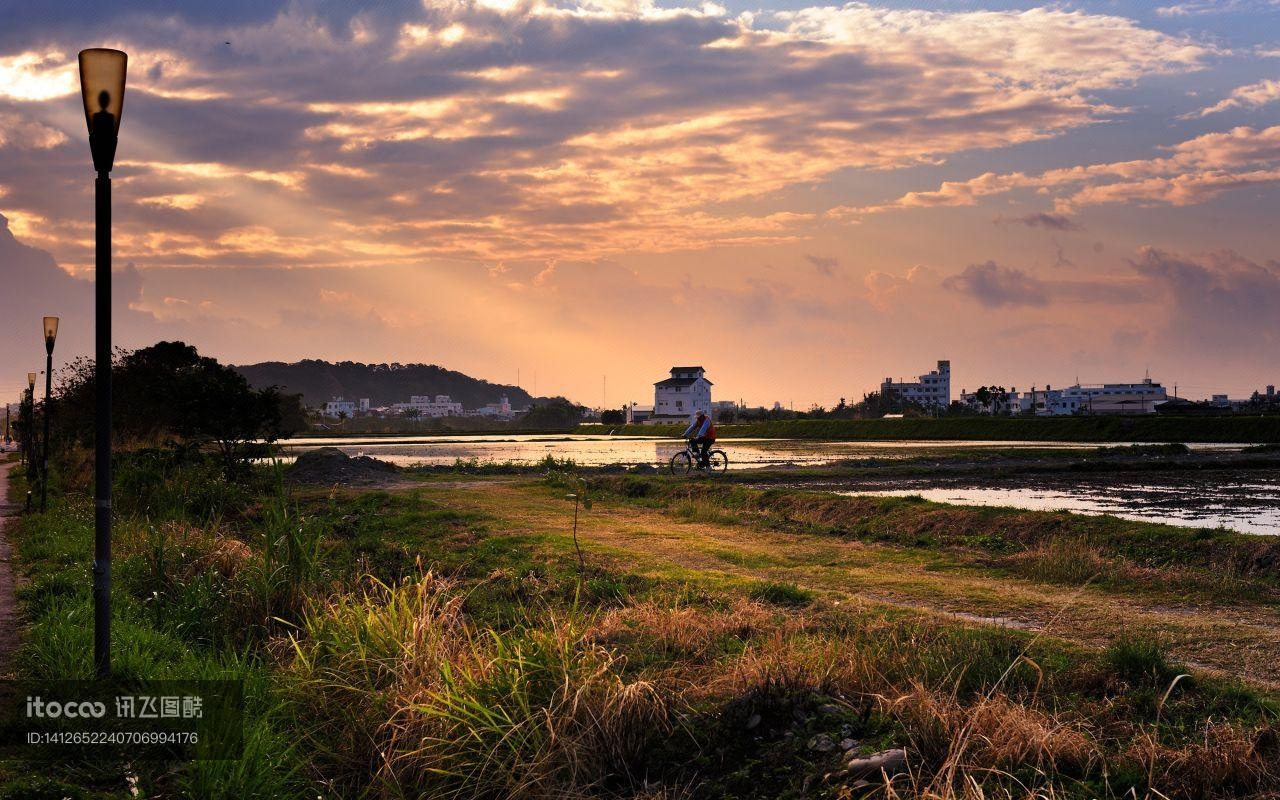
[804,199]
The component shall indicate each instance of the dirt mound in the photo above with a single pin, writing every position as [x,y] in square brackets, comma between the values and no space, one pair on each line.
[331,465]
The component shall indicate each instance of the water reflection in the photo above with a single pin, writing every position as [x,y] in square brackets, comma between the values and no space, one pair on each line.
[598,451]
[1249,506]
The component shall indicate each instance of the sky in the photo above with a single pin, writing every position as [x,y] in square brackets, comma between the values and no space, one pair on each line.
[804,199]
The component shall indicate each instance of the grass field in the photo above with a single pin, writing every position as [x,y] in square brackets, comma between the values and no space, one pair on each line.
[436,637]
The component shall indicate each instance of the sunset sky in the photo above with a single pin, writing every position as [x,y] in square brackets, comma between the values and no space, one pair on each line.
[804,199]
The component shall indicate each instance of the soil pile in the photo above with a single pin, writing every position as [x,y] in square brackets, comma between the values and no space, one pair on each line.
[331,465]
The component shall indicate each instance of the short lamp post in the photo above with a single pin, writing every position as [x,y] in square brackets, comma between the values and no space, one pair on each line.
[29,434]
[102,74]
[50,336]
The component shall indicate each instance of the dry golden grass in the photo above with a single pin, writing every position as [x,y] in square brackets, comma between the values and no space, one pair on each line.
[687,633]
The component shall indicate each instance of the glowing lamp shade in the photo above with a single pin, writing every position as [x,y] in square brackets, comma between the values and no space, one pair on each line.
[102,87]
[31,381]
[50,329]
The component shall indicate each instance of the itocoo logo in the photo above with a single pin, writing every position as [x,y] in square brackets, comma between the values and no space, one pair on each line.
[52,709]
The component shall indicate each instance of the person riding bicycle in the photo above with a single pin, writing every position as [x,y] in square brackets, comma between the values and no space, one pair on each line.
[701,432]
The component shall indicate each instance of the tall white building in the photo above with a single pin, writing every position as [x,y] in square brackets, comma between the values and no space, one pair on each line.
[932,390]
[677,398]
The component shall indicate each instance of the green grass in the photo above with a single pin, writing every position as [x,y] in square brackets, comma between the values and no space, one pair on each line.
[1057,547]
[394,644]
[781,594]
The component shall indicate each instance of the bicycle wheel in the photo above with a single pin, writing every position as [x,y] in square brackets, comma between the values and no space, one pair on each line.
[717,461]
[681,463]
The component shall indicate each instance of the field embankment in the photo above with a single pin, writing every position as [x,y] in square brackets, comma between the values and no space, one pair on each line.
[1239,429]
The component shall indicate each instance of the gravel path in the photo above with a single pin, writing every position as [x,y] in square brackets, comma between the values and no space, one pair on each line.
[8,605]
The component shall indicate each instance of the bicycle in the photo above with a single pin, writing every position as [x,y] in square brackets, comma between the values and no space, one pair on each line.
[689,459]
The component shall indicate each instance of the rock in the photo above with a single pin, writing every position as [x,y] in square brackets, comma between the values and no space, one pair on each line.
[830,710]
[642,469]
[848,744]
[822,743]
[890,761]
[753,721]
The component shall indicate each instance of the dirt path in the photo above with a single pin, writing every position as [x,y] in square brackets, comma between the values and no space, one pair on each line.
[1242,642]
[8,605]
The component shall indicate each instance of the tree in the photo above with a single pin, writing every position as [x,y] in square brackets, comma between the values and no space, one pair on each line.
[556,413]
[983,396]
[613,416]
[169,395]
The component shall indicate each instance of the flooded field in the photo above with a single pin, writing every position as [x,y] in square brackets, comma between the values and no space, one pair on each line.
[1246,501]
[597,451]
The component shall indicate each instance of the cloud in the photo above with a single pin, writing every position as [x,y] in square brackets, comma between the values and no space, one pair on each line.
[35,287]
[1221,302]
[1052,222]
[27,134]
[995,286]
[1195,171]
[1198,8]
[528,131]
[824,265]
[1255,95]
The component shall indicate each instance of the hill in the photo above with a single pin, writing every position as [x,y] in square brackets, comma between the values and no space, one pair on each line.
[383,384]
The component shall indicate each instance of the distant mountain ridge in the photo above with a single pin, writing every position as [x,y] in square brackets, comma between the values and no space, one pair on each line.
[384,384]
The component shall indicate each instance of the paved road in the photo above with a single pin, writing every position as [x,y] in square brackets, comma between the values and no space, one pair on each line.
[8,606]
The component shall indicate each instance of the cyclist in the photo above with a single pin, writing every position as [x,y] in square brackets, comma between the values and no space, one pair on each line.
[702,432]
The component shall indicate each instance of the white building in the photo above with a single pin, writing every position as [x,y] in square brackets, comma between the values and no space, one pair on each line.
[677,398]
[338,408]
[426,406]
[500,409]
[932,390]
[637,414]
[719,407]
[1103,398]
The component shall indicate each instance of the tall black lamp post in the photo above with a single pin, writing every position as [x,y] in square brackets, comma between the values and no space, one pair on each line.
[102,74]
[50,336]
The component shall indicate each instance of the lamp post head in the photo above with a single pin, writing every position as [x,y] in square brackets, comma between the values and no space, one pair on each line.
[31,381]
[50,333]
[102,74]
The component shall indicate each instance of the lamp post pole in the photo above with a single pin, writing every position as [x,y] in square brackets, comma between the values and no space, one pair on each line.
[29,434]
[50,336]
[102,75]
